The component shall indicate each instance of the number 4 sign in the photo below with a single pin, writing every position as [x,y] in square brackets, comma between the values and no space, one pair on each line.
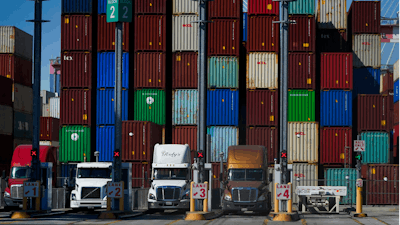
[119,11]
[199,191]
[115,190]
[283,192]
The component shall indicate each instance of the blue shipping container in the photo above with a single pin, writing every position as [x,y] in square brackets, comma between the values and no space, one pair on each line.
[366,81]
[105,136]
[376,147]
[245,26]
[244,6]
[221,139]
[337,177]
[102,6]
[396,91]
[106,70]
[76,6]
[105,106]
[336,108]
[65,173]
[223,72]
[185,107]
[222,107]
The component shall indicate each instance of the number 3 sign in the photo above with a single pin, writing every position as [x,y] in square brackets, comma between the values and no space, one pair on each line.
[199,191]
[119,11]
[283,192]
[115,190]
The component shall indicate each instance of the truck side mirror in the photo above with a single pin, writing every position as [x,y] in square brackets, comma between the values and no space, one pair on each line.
[270,177]
[187,181]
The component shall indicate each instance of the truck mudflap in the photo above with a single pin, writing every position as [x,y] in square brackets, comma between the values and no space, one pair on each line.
[230,206]
[169,205]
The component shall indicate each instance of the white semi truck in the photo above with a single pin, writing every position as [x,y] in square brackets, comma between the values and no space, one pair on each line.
[170,178]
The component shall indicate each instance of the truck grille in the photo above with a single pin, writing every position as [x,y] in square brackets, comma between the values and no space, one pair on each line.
[244,194]
[168,193]
[17,191]
[90,192]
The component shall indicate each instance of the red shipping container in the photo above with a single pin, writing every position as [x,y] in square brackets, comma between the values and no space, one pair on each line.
[184,70]
[336,145]
[75,107]
[380,192]
[265,136]
[49,129]
[337,70]
[7,148]
[224,9]
[387,84]
[365,17]
[186,135]
[302,33]
[332,41]
[395,135]
[149,70]
[216,171]
[262,108]
[396,113]
[139,170]
[151,7]
[16,68]
[373,112]
[258,7]
[150,33]
[138,140]
[76,33]
[223,37]
[76,70]
[263,35]
[106,35]
[301,70]
[6,91]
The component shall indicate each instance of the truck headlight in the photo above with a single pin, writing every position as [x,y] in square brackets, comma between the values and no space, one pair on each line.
[151,196]
[228,197]
[73,197]
[186,195]
[261,198]
[6,194]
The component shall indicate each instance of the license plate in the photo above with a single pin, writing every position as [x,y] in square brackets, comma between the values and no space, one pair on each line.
[168,203]
[244,209]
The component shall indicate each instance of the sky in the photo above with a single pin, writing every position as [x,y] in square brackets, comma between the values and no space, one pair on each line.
[16,12]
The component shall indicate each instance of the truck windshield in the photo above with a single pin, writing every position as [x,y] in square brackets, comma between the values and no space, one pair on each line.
[20,172]
[94,173]
[163,174]
[245,175]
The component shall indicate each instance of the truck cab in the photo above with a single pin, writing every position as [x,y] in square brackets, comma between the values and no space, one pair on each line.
[170,178]
[90,185]
[246,180]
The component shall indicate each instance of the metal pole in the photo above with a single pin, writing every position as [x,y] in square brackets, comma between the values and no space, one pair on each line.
[358,161]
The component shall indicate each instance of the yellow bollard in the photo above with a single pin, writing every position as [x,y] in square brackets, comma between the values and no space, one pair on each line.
[25,203]
[38,198]
[276,201]
[108,204]
[289,205]
[121,200]
[192,205]
[359,200]
[205,202]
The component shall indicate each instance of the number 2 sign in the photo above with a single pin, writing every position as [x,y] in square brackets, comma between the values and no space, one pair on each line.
[199,191]
[115,190]
[283,192]
[119,11]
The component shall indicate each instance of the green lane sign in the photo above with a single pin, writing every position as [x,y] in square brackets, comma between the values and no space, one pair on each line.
[119,11]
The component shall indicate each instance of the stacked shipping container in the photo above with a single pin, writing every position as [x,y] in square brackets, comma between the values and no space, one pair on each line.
[396,110]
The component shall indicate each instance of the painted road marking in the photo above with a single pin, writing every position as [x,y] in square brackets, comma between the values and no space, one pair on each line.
[173,222]
[303,221]
[113,222]
[357,221]
[380,221]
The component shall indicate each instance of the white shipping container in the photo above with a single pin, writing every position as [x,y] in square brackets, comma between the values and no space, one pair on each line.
[16,41]
[331,14]
[184,33]
[366,50]
[45,110]
[307,174]
[221,138]
[184,7]
[396,70]
[22,97]
[55,107]
[50,143]
[6,120]
[303,142]
[262,70]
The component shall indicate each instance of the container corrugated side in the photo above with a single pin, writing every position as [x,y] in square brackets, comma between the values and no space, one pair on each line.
[396,113]
[308,175]
[301,105]
[74,144]
[377,147]
[138,140]
[396,91]
[337,177]
[16,68]
[105,106]
[303,142]
[336,108]
[16,41]
[23,125]
[336,70]
[333,41]
[224,9]
[22,98]
[101,6]
[331,14]
[373,113]
[265,136]
[150,33]
[366,50]
[216,171]
[105,137]
[6,91]
[221,138]
[262,7]
[222,107]
[185,107]
[77,70]
[76,33]
[6,120]
[149,70]
[49,129]
[386,84]
[149,105]
[263,34]
[139,170]
[302,7]
[45,110]
[185,135]
[301,70]
[379,191]
[245,19]
[150,7]
[262,108]
[223,37]
[262,70]
[336,145]
[106,70]
[366,81]
[184,70]
[223,72]
[184,33]
[106,35]
[365,17]
[184,7]
[55,107]
[302,33]
[75,107]
[77,6]
[396,70]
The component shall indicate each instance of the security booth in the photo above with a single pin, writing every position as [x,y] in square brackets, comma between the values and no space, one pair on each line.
[46,185]
[126,170]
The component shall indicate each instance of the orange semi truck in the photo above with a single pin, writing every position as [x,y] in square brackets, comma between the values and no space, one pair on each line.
[246,180]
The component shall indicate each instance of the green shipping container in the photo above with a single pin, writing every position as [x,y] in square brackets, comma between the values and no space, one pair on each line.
[74,144]
[376,147]
[150,106]
[337,177]
[302,7]
[301,106]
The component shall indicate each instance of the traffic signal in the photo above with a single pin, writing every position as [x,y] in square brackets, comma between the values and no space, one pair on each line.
[116,154]
[359,157]
[200,154]
[34,152]
[284,154]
